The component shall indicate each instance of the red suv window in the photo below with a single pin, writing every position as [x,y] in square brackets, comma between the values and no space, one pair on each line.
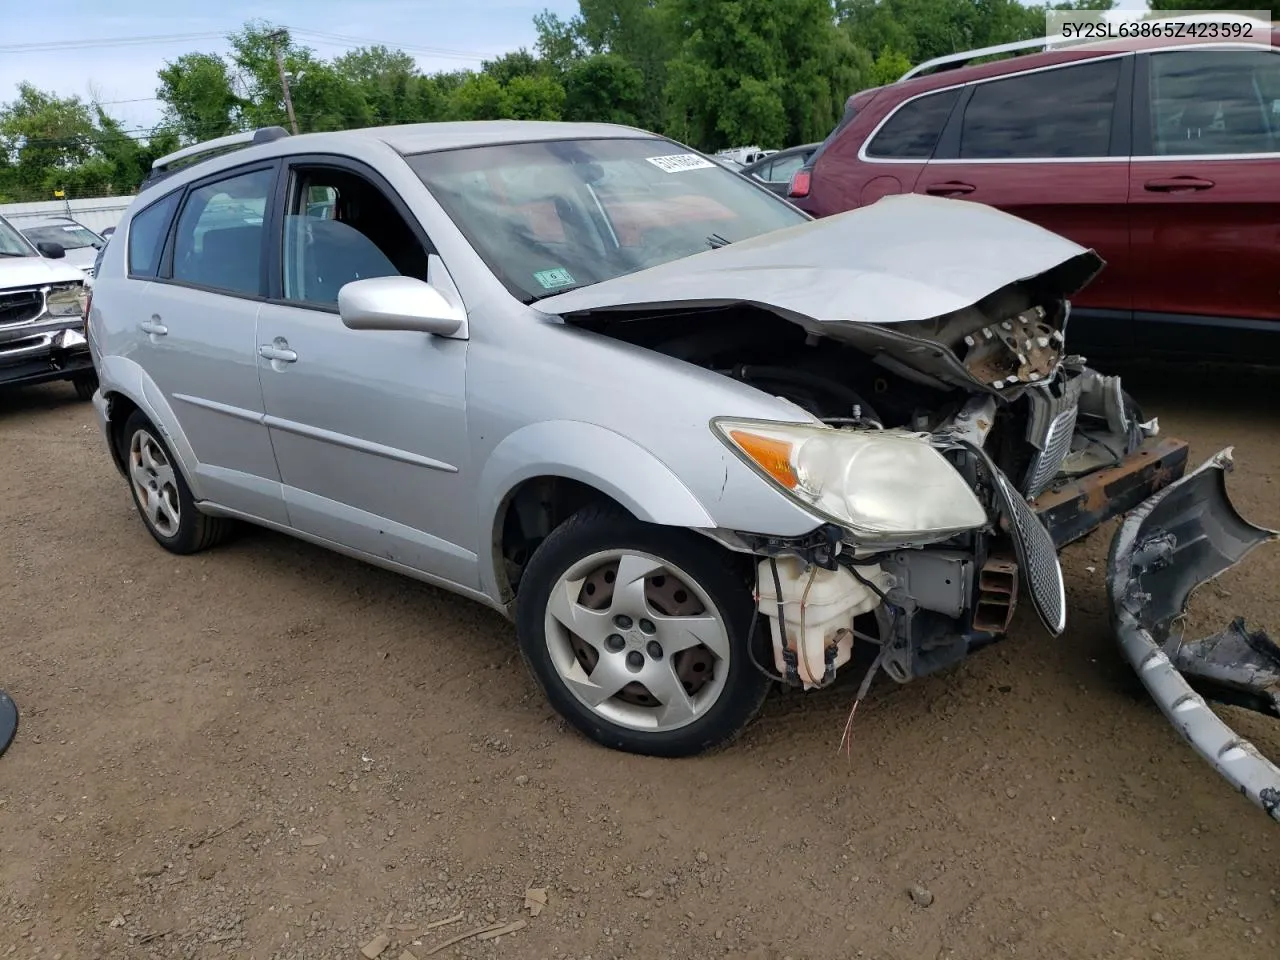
[1062,112]
[912,131]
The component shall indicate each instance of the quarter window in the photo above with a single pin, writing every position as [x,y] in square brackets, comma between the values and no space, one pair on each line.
[1060,113]
[146,236]
[1215,102]
[783,170]
[913,131]
[218,243]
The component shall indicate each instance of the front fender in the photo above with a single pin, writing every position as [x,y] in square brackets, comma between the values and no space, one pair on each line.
[597,457]
[592,455]
[120,376]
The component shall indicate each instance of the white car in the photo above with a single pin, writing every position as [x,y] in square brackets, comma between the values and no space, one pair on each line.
[79,244]
[43,303]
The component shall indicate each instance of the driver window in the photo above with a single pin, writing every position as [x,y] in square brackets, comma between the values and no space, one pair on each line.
[339,227]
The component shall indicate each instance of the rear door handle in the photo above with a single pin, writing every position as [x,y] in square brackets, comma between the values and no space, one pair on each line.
[153,327]
[949,188]
[279,350]
[1177,184]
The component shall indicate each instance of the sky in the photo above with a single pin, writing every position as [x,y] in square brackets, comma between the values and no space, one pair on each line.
[91,62]
[441,34]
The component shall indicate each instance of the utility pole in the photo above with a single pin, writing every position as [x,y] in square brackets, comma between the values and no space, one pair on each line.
[275,39]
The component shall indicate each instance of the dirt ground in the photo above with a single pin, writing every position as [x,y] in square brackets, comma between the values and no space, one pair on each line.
[270,751]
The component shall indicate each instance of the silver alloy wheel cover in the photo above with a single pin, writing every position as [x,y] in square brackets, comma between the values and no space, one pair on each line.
[155,485]
[611,673]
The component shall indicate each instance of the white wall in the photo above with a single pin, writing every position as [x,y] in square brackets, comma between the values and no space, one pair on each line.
[96,214]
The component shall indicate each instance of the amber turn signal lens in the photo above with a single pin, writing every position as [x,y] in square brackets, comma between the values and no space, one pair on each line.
[772,456]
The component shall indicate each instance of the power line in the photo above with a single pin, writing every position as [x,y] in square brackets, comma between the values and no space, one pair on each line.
[90,43]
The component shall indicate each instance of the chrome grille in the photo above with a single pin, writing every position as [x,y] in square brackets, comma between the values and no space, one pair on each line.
[1048,460]
[20,306]
[1037,556]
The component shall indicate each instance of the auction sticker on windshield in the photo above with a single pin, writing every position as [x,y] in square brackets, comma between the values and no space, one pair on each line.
[680,162]
[550,279]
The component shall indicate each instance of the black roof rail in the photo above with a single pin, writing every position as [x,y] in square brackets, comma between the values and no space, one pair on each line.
[171,162]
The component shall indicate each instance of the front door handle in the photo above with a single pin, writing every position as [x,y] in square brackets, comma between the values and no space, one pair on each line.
[153,327]
[950,188]
[1177,184]
[278,351]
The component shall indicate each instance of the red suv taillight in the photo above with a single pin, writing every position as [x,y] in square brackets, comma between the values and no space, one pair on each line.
[800,184]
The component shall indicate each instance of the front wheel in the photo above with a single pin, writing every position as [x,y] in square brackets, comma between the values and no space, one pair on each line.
[638,634]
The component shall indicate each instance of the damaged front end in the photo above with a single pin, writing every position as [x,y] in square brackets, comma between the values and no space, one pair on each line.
[1182,537]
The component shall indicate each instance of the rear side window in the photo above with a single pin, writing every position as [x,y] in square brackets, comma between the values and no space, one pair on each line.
[913,130]
[146,236]
[218,241]
[1215,102]
[1063,112]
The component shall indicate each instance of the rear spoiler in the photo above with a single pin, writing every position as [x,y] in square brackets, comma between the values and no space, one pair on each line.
[171,162]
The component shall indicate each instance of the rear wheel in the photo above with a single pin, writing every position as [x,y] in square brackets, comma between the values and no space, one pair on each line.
[161,493]
[638,634]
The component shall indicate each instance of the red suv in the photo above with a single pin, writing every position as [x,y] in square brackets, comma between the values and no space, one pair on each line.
[1165,160]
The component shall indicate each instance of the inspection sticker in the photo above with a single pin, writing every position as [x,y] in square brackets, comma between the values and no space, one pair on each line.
[550,279]
[680,162]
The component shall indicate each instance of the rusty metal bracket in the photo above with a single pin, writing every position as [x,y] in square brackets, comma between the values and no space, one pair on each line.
[1078,507]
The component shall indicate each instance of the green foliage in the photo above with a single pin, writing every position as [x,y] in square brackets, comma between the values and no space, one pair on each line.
[1196,5]
[604,88]
[766,72]
[711,73]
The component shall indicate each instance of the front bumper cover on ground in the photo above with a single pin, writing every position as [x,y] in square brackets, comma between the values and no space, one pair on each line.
[1181,537]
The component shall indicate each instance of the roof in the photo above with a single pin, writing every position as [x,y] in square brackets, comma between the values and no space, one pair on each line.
[406,139]
[411,138]
[43,220]
[961,72]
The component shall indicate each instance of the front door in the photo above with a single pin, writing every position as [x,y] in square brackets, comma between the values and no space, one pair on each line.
[1205,189]
[1051,146]
[368,426]
[196,338]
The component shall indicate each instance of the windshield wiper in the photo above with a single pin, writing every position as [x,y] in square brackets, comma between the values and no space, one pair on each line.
[715,241]
[6,253]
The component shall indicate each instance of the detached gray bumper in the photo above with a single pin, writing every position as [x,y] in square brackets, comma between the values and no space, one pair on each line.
[1181,537]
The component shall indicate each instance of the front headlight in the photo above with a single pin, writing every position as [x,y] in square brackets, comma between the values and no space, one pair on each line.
[882,485]
[66,300]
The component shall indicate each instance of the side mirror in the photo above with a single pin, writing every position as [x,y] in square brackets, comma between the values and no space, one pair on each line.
[399,303]
[54,251]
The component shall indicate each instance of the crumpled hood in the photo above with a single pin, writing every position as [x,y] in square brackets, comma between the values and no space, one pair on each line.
[904,258]
[35,271]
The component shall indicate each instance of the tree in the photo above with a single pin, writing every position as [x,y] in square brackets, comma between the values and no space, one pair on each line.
[510,66]
[759,71]
[1193,5]
[50,144]
[533,98]
[387,80]
[199,101]
[604,88]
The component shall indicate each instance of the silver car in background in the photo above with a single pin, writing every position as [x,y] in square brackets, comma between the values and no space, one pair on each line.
[691,441]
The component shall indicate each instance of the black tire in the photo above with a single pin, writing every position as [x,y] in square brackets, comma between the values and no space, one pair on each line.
[85,384]
[601,528]
[194,531]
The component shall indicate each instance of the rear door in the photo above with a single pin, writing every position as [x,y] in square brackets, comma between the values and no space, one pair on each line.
[1052,146]
[1205,188]
[898,151]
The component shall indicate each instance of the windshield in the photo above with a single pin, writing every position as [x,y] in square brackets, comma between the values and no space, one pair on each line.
[11,242]
[71,236]
[551,216]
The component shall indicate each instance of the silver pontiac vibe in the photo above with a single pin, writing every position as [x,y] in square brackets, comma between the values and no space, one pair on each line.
[690,440]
